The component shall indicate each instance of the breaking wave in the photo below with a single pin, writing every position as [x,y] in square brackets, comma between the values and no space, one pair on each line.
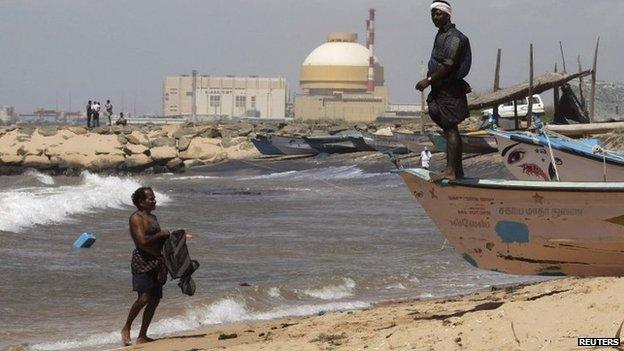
[227,310]
[333,292]
[325,173]
[42,178]
[25,208]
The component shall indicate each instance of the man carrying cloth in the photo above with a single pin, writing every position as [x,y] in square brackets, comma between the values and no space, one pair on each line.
[449,63]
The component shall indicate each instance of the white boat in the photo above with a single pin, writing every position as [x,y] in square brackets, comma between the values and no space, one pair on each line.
[528,156]
[528,227]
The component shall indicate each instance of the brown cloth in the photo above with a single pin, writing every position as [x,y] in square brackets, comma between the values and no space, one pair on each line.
[448,105]
[143,262]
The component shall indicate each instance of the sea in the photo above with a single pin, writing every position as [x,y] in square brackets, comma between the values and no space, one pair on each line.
[274,238]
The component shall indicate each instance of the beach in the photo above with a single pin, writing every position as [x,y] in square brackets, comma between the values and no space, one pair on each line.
[549,315]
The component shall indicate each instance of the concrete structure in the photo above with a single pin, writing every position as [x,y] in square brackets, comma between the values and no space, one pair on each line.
[7,114]
[224,97]
[336,80]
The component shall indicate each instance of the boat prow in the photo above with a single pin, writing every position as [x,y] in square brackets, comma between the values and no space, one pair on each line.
[528,227]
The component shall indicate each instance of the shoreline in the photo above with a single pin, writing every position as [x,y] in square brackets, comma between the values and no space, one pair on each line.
[550,314]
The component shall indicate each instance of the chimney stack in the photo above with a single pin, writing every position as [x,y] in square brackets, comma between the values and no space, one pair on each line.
[370,44]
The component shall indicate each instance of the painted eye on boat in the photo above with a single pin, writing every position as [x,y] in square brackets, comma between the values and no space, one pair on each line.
[515,156]
[558,161]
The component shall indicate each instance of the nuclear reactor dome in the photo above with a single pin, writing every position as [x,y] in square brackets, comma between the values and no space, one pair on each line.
[340,64]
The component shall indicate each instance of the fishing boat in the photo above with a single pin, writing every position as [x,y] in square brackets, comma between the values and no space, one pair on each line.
[528,227]
[478,142]
[291,145]
[548,156]
[384,143]
[415,142]
[331,144]
[263,144]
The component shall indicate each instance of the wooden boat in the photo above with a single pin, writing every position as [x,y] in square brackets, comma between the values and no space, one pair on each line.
[478,142]
[331,144]
[415,142]
[528,227]
[527,156]
[263,144]
[384,143]
[291,145]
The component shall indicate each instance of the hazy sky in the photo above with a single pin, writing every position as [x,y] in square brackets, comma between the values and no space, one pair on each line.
[114,49]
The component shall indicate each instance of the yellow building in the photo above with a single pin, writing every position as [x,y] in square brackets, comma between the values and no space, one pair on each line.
[224,96]
[334,81]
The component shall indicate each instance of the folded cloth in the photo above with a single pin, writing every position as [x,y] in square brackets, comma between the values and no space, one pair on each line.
[178,261]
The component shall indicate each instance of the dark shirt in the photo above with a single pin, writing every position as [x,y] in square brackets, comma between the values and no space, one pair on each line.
[451,48]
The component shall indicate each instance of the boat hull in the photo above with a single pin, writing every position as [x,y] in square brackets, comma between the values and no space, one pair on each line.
[471,144]
[265,147]
[384,143]
[332,144]
[292,145]
[415,143]
[528,228]
[533,162]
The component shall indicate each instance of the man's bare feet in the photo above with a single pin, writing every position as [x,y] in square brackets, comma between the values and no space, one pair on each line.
[125,337]
[144,339]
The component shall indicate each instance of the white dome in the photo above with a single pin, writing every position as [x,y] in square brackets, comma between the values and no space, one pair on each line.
[338,54]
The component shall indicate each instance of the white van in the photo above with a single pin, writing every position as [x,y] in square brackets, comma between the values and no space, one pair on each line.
[507,109]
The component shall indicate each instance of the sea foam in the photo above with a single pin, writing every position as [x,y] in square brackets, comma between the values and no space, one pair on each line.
[25,208]
[228,310]
[333,292]
[324,173]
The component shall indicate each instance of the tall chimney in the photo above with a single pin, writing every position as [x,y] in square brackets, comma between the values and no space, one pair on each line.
[370,44]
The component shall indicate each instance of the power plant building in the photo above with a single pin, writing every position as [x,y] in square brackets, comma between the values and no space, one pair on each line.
[342,79]
[206,96]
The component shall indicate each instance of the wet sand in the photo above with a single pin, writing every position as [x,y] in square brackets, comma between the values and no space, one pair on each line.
[548,315]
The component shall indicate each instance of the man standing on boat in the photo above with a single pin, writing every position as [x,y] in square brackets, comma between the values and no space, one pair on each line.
[449,63]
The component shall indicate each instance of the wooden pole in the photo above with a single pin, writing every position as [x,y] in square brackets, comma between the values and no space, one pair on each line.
[530,97]
[423,113]
[562,57]
[497,78]
[556,99]
[581,93]
[592,113]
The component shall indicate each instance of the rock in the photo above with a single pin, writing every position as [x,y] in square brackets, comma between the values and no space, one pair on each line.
[28,130]
[155,134]
[117,129]
[11,159]
[138,161]
[160,153]
[227,142]
[184,141]
[186,131]
[37,161]
[47,130]
[100,130]
[170,129]
[175,164]
[128,129]
[203,149]
[211,132]
[122,139]
[295,129]
[87,144]
[361,126]
[76,130]
[138,138]
[227,336]
[132,149]
[91,162]
[163,141]
[337,129]
[192,163]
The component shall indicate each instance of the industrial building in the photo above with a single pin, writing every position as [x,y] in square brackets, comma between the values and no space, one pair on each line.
[342,79]
[201,96]
[7,114]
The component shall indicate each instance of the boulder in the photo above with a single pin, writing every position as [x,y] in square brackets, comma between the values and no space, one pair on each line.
[47,130]
[37,161]
[138,161]
[138,138]
[202,148]
[192,163]
[9,143]
[175,164]
[163,141]
[211,132]
[155,134]
[131,149]
[76,130]
[183,142]
[186,131]
[170,129]
[88,144]
[295,129]
[91,162]
[122,139]
[11,160]
[161,153]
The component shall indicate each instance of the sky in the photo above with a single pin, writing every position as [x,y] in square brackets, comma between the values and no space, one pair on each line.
[69,51]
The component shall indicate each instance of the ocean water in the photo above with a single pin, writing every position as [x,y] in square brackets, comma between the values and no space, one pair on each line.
[274,239]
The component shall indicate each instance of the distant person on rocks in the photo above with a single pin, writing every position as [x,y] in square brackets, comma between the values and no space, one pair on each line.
[89,113]
[96,114]
[425,157]
[149,273]
[108,111]
[121,121]
[449,64]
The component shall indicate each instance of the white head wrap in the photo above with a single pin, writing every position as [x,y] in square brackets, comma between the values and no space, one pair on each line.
[438,5]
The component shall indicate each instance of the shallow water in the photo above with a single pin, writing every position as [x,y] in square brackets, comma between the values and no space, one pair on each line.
[306,235]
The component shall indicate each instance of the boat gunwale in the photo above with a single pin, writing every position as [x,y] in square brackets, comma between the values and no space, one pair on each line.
[505,184]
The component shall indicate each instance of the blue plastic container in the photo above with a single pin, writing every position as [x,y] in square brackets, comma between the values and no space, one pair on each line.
[85,240]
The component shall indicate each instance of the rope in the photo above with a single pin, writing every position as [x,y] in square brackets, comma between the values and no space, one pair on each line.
[552,156]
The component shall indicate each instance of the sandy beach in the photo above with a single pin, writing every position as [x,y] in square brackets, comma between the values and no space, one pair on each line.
[549,315]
